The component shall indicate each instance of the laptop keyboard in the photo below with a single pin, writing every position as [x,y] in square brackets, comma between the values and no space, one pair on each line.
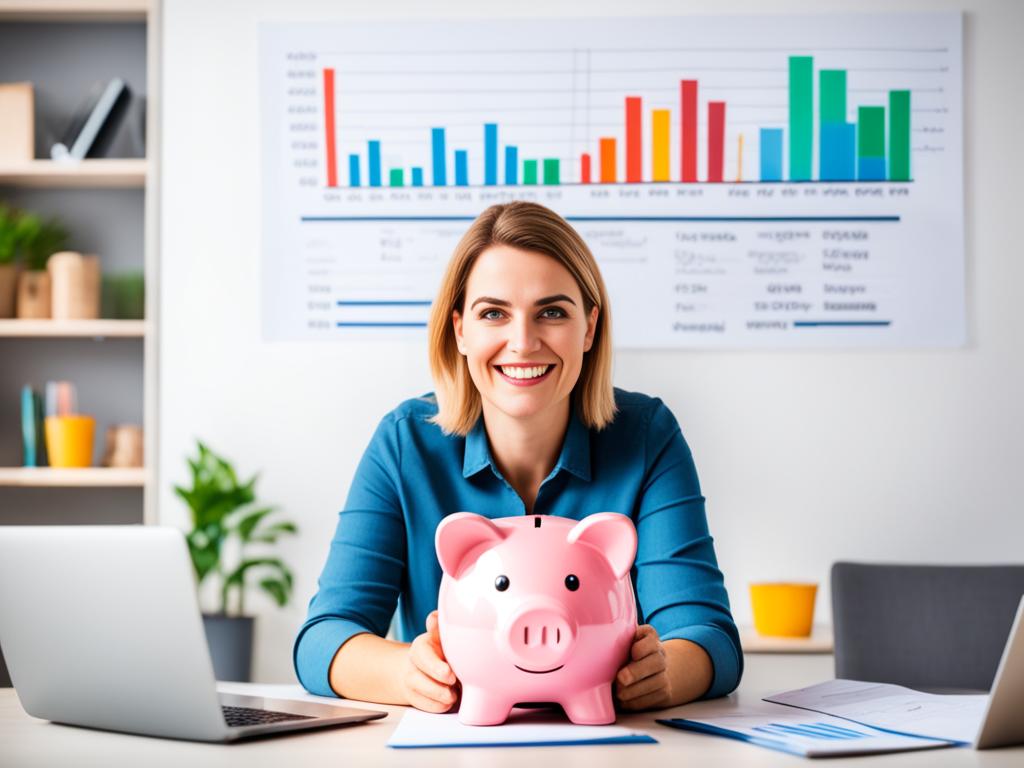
[236,716]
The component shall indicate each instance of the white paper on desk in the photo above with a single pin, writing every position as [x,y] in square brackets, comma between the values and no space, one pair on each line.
[808,734]
[525,727]
[893,708]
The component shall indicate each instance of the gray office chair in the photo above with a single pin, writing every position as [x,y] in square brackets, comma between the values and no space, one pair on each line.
[928,627]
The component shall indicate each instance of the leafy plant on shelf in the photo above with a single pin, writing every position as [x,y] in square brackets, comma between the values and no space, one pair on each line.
[222,507]
[16,230]
[40,239]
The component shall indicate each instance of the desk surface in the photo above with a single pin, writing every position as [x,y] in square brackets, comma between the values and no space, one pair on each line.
[30,742]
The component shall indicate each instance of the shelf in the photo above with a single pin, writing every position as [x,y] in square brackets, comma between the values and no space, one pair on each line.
[73,10]
[71,329]
[113,172]
[50,477]
[820,641]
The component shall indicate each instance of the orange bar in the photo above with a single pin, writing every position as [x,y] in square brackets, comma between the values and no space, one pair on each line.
[634,140]
[607,161]
[585,168]
[659,135]
[332,159]
[739,160]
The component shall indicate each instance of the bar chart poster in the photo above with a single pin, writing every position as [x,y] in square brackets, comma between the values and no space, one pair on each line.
[773,181]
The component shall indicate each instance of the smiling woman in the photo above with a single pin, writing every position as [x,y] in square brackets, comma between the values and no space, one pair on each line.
[524,420]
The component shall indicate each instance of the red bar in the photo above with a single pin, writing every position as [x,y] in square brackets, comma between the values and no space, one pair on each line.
[634,147]
[716,139]
[585,168]
[607,161]
[688,129]
[332,158]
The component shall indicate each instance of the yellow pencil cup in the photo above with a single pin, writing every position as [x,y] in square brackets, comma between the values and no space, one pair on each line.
[69,440]
[783,609]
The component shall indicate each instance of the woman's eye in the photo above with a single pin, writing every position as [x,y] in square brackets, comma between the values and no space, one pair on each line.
[485,315]
[559,313]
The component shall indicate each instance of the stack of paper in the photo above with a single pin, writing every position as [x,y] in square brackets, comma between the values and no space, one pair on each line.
[893,708]
[524,728]
[799,733]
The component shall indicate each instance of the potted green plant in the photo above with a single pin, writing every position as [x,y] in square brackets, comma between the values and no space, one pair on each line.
[41,239]
[15,230]
[224,511]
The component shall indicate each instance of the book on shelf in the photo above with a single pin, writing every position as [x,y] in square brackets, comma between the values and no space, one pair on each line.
[33,439]
[92,128]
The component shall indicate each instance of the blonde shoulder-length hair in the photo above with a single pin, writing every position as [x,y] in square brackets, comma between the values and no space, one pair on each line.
[530,227]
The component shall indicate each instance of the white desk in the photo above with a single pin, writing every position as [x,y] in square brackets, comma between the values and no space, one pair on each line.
[25,741]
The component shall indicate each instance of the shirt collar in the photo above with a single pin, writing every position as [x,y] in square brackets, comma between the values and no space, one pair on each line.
[574,458]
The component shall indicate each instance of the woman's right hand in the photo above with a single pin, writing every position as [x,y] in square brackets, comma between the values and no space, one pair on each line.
[427,679]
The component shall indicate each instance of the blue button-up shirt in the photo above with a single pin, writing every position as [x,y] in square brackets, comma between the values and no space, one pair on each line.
[412,475]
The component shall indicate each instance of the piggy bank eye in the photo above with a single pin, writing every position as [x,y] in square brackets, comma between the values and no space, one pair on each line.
[501,583]
[572,583]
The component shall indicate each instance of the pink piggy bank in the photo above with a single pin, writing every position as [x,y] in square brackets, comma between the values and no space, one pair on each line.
[536,608]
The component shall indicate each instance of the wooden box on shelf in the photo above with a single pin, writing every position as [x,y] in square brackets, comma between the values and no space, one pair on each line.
[17,129]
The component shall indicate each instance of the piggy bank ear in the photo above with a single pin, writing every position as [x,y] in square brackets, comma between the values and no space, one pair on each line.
[611,533]
[459,533]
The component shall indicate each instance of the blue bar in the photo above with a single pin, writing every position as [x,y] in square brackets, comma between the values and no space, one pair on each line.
[417,177]
[383,302]
[461,168]
[801,730]
[838,152]
[771,154]
[842,731]
[829,732]
[839,323]
[871,168]
[437,141]
[353,170]
[341,324]
[490,153]
[511,165]
[374,163]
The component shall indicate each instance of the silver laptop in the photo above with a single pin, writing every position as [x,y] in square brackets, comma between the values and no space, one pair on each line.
[1003,723]
[100,627]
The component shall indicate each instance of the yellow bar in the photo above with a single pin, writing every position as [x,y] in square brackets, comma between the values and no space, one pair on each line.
[739,161]
[659,123]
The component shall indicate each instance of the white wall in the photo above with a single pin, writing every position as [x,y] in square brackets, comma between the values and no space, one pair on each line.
[804,457]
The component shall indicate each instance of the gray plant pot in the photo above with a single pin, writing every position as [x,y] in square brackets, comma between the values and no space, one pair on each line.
[230,641]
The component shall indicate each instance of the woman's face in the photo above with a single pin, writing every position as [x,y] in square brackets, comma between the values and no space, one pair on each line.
[523,330]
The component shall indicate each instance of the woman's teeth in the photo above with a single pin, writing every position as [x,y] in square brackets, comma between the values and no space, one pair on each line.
[515,372]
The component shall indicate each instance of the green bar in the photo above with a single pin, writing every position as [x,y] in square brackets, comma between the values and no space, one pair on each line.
[397,177]
[871,132]
[833,95]
[551,170]
[899,135]
[529,171]
[801,117]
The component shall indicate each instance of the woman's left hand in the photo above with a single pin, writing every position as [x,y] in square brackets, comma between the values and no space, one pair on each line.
[643,683]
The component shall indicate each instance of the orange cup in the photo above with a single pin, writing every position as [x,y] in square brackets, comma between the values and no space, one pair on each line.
[783,609]
[69,440]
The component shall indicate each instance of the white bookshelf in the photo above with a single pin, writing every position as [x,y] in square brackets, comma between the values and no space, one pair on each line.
[819,641]
[128,172]
[37,177]
[90,477]
[73,329]
[75,10]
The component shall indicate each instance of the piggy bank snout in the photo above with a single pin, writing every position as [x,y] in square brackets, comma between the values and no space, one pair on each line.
[540,636]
